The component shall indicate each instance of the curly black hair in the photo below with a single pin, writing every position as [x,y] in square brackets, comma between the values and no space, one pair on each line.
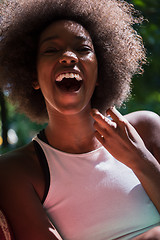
[119,49]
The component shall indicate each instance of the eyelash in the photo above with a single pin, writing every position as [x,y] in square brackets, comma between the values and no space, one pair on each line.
[51,50]
[84,49]
[80,49]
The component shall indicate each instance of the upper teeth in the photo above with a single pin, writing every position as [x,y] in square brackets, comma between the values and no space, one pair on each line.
[68,75]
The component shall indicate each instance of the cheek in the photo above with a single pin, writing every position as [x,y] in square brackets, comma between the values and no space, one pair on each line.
[91,65]
[92,76]
[43,70]
[94,69]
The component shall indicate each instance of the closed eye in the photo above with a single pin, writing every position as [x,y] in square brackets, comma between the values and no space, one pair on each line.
[50,51]
[84,49]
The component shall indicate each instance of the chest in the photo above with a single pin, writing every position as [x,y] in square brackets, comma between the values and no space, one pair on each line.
[96,198]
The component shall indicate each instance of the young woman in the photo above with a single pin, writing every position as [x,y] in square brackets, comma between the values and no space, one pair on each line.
[93,174]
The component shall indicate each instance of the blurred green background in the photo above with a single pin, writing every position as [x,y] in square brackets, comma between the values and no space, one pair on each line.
[17,130]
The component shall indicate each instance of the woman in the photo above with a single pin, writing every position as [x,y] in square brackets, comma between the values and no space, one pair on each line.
[93,175]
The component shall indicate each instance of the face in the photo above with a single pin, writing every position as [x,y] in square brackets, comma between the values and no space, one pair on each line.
[67,67]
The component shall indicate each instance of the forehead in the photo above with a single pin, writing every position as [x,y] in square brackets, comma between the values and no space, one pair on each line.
[64,29]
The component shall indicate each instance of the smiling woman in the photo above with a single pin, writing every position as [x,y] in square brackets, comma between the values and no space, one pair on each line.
[60,60]
[90,174]
[119,50]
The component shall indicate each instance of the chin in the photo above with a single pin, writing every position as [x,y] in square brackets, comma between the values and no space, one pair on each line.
[74,110]
[69,112]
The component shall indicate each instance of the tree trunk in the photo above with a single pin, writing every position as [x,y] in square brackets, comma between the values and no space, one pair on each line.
[4,119]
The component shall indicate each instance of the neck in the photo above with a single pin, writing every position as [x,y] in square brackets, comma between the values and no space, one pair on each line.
[72,133]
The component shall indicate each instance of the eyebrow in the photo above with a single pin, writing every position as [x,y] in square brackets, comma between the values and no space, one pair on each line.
[81,38]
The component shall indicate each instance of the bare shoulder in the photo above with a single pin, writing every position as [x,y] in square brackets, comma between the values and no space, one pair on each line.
[145,117]
[17,158]
[147,124]
[18,161]
[14,162]
[19,166]
[22,189]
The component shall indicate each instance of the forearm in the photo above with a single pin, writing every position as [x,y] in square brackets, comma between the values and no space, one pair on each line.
[147,171]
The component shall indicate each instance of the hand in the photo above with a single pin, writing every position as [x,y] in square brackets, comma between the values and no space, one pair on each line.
[153,234]
[119,137]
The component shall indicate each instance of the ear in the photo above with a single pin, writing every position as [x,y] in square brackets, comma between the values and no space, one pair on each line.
[35,85]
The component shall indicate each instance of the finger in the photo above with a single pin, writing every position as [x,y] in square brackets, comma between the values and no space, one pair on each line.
[97,116]
[132,134]
[100,137]
[98,128]
[116,115]
[122,122]
[102,120]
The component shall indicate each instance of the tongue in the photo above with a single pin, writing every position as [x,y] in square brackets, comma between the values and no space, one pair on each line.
[69,85]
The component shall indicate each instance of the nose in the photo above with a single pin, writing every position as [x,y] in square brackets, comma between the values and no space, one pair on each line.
[68,57]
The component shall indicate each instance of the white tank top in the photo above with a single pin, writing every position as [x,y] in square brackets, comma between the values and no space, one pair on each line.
[92,196]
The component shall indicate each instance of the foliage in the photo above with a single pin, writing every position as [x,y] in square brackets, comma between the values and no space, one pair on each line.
[146,88]
[24,128]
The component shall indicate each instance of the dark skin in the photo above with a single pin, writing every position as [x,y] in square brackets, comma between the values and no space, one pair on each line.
[25,180]
[77,129]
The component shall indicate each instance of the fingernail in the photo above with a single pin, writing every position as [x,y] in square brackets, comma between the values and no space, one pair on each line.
[94,111]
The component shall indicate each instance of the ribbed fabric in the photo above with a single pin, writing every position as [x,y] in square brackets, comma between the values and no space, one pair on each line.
[92,196]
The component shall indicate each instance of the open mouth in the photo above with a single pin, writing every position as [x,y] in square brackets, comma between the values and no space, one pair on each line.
[69,82]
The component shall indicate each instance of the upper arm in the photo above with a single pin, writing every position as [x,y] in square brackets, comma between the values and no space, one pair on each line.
[147,125]
[22,205]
